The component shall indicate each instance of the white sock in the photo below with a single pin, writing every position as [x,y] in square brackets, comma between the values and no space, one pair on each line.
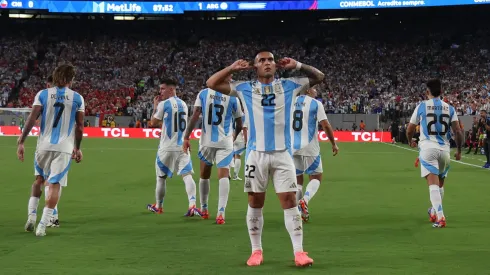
[294,225]
[311,189]
[441,190]
[47,215]
[238,165]
[160,190]
[204,192]
[224,191]
[55,212]
[32,208]
[255,223]
[436,200]
[299,193]
[190,188]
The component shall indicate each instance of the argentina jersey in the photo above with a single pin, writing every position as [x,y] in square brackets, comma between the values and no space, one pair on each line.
[218,113]
[435,117]
[173,112]
[307,113]
[269,107]
[59,108]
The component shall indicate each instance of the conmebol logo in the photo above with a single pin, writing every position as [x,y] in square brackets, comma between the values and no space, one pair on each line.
[4,4]
[251,6]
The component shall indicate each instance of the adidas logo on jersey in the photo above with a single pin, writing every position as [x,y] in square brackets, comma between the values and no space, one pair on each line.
[293,185]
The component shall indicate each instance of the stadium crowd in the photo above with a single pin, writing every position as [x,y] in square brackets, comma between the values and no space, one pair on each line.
[365,73]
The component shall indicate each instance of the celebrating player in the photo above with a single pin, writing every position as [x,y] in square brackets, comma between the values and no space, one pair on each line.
[436,119]
[308,112]
[171,115]
[62,111]
[268,103]
[216,143]
[238,147]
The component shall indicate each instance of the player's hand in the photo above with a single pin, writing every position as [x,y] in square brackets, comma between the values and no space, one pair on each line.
[457,155]
[413,144]
[186,147]
[20,152]
[240,65]
[287,63]
[156,100]
[335,149]
[77,155]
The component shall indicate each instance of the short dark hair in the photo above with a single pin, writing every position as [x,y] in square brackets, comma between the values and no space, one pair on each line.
[50,79]
[435,87]
[169,82]
[262,50]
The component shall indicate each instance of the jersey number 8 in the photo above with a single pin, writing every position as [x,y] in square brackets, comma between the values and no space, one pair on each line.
[298,120]
[441,120]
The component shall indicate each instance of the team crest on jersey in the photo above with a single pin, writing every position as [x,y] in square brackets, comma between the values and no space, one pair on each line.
[248,184]
[278,88]
[267,90]
[256,91]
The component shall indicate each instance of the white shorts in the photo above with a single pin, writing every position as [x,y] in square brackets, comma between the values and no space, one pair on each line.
[52,166]
[434,161]
[210,155]
[308,165]
[278,165]
[238,147]
[169,162]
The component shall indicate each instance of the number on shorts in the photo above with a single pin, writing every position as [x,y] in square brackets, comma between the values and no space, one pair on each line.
[179,122]
[220,109]
[249,169]
[268,100]
[298,120]
[434,121]
[59,113]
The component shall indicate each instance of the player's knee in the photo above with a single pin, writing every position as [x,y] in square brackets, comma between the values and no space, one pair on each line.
[287,200]
[39,181]
[316,177]
[256,200]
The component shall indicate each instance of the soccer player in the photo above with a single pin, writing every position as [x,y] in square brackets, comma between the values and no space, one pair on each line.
[216,143]
[171,115]
[239,146]
[485,126]
[308,112]
[62,112]
[268,102]
[436,119]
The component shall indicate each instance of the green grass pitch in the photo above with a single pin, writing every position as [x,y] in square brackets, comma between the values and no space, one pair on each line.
[369,217]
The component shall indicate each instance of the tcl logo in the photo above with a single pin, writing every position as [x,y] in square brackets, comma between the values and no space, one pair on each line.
[114,132]
[323,136]
[155,133]
[34,132]
[365,136]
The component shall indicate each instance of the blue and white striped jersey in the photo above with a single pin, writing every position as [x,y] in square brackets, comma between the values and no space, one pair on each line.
[59,108]
[173,112]
[269,107]
[306,115]
[435,117]
[218,112]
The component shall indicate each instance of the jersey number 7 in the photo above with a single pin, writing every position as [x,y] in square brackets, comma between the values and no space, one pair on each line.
[57,118]
[434,120]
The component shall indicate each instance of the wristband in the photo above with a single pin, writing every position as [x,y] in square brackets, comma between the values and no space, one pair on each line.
[298,65]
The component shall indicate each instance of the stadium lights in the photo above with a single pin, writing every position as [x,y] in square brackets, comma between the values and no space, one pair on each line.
[123,17]
[339,19]
[21,15]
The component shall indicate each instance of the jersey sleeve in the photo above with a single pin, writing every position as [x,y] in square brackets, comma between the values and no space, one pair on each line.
[237,109]
[301,85]
[37,100]
[415,119]
[236,87]
[198,100]
[159,113]
[321,115]
[452,113]
[81,105]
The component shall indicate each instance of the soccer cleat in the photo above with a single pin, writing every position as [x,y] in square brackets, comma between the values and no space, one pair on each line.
[235,178]
[30,225]
[432,217]
[153,208]
[417,162]
[41,230]
[302,259]
[440,223]
[486,166]
[204,214]
[220,219]
[193,211]
[53,223]
[303,208]
[256,258]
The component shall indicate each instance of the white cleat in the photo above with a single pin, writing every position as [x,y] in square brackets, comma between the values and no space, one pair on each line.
[236,178]
[30,225]
[41,231]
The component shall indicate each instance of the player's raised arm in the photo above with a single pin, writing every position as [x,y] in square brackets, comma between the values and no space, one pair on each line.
[315,76]
[219,81]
